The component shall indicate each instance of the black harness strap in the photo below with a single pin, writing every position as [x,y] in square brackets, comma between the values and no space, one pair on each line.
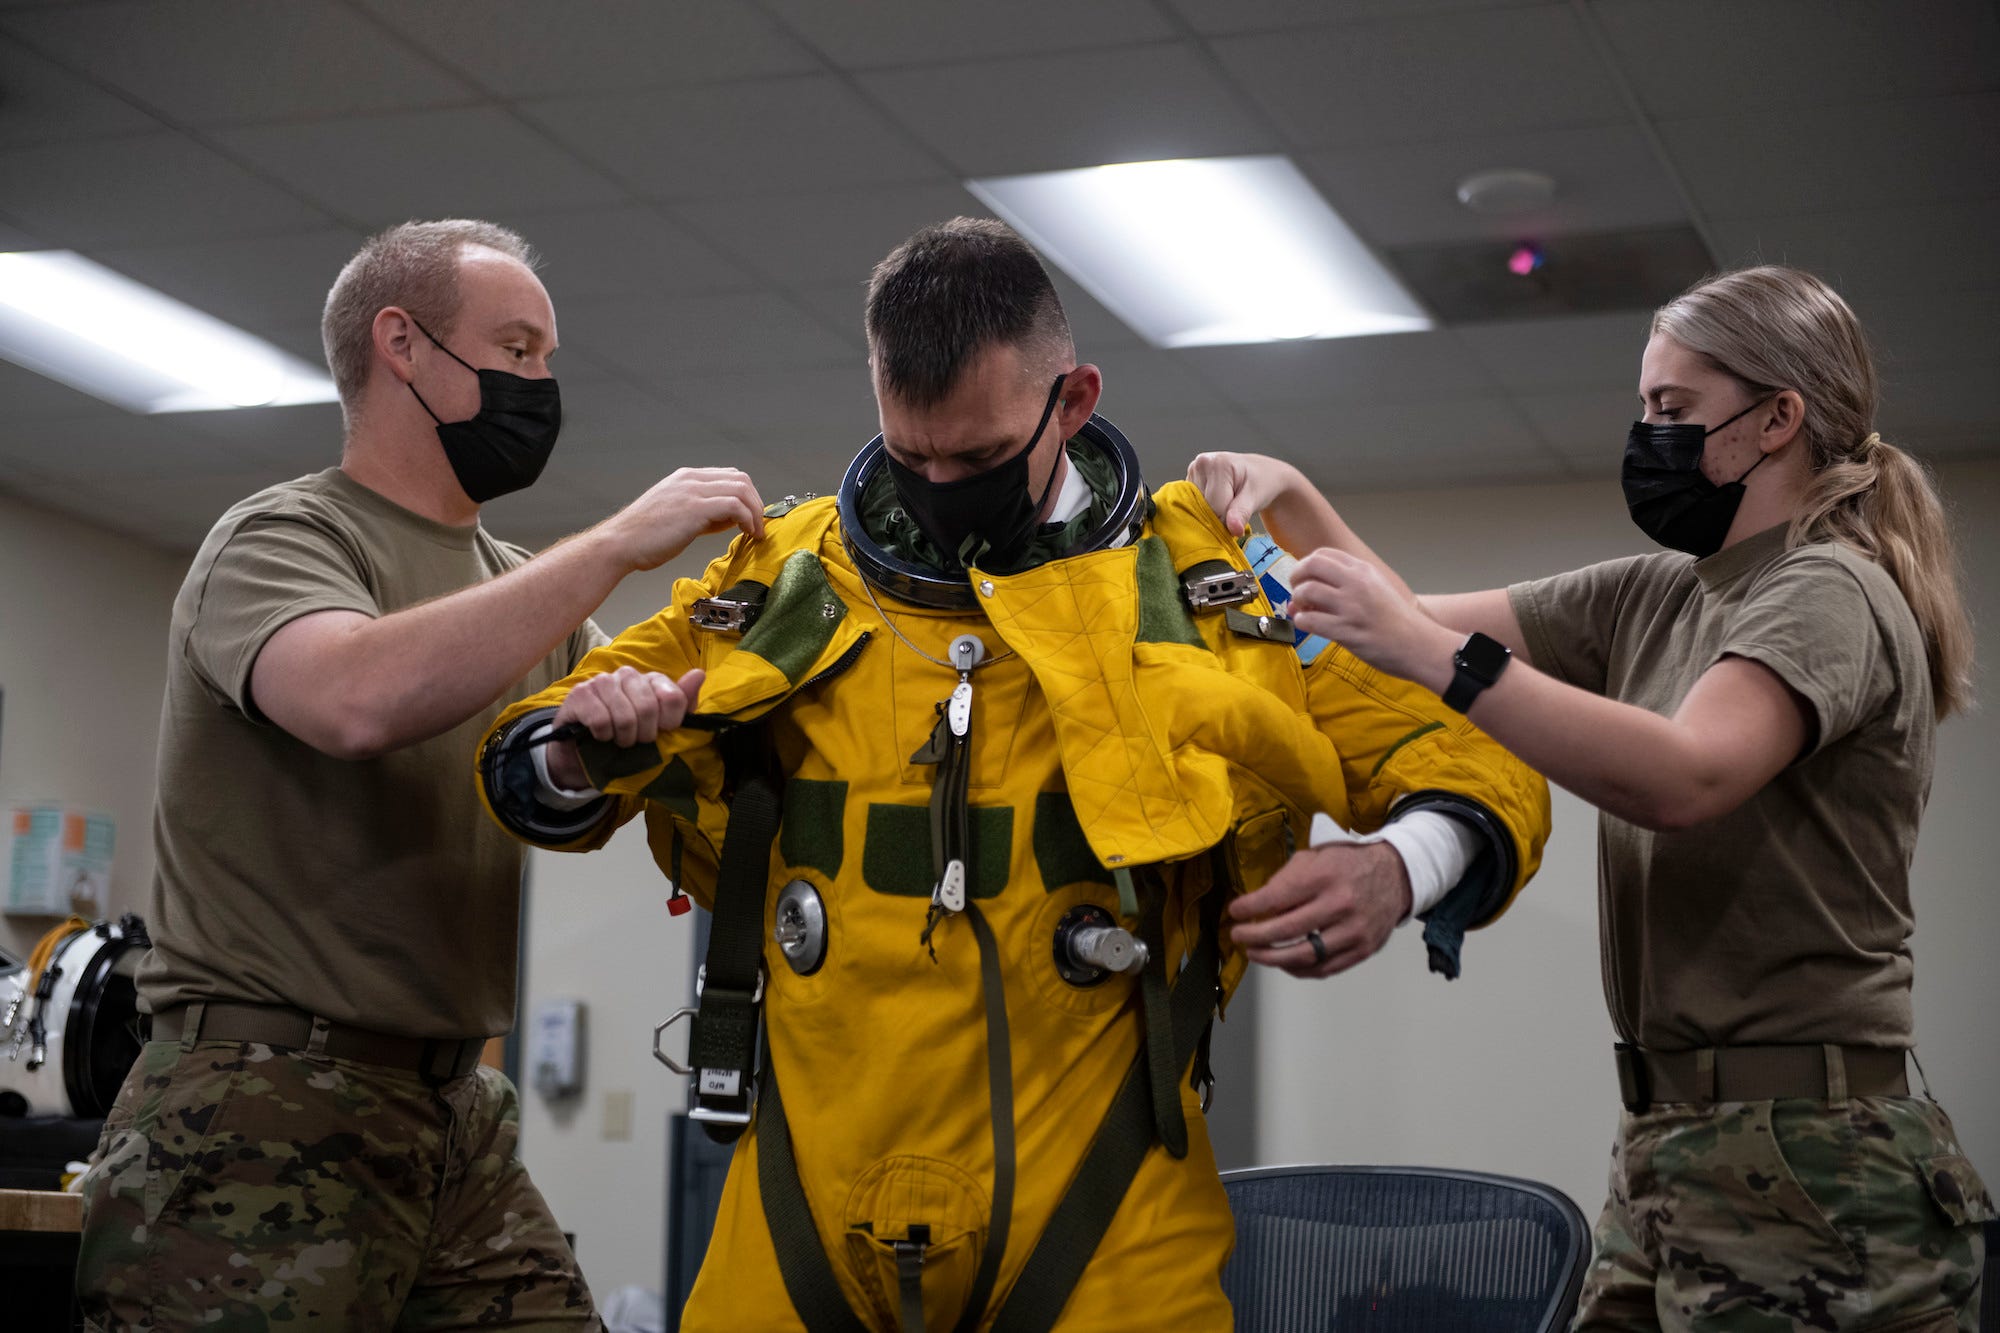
[1000,1091]
[802,1261]
[1162,1069]
[723,1045]
[1093,1197]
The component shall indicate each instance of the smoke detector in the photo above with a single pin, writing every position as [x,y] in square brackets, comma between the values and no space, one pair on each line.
[1506,191]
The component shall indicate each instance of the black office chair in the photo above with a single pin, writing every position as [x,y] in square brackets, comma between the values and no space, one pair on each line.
[1402,1250]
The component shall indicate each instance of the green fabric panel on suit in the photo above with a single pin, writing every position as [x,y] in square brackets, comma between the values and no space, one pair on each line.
[896,856]
[799,618]
[1163,617]
[1062,853]
[812,833]
[674,789]
[607,761]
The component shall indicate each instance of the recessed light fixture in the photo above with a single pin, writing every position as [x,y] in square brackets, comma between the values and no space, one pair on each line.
[74,320]
[1506,191]
[1195,252]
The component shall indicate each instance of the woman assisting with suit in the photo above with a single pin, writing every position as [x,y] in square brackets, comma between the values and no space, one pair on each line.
[1754,713]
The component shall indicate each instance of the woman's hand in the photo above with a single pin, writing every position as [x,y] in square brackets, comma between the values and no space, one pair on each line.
[1349,601]
[1241,486]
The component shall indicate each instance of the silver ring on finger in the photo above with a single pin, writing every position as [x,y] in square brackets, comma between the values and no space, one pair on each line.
[1318,944]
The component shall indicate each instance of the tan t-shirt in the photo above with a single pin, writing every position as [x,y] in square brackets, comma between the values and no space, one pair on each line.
[372,892]
[1787,920]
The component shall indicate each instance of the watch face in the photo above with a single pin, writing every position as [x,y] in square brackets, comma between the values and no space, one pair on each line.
[1484,657]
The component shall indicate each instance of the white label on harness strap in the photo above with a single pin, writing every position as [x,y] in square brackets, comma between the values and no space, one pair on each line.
[959,709]
[951,889]
[720,1082]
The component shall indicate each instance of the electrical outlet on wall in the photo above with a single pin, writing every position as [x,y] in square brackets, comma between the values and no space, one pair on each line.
[618,1116]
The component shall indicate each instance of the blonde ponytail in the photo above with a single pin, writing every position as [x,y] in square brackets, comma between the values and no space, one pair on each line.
[1779,328]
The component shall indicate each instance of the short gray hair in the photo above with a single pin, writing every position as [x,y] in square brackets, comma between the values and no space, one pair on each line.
[413,265]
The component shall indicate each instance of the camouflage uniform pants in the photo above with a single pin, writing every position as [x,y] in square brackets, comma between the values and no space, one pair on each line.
[1748,1217]
[240,1186]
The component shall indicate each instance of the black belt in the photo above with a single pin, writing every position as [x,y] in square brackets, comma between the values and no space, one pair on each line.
[1828,1073]
[438,1060]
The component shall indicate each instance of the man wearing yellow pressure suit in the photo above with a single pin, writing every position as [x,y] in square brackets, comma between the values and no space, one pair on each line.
[994,737]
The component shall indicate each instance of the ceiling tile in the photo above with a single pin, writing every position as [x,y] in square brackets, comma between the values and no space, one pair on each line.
[837,306]
[16,238]
[1595,351]
[825,238]
[902,32]
[613,418]
[1167,442]
[245,281]
[1228,16]
[624,251]
[1086,108]
[1582,424]
[1823,159]
[1943,406]
[1911,328]
[302,438]
[33,397]
[466,162]
[167,188]
[210,62]
[662,341]
[1422,433]
[835,402]
[1688,58]
[1417,77]
[530,48]
[1149,380]
[1453,441]
[1885,251]
[1607,179]
[1091,327]
[763,136]
[45,102]
[1395,368]
[115,447]
[615,480]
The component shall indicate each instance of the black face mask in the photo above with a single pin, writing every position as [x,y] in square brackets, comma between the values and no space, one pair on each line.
[505,446]
[991,507]
[1669,498]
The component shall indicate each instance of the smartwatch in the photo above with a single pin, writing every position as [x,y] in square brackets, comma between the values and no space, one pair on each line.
[1477,664]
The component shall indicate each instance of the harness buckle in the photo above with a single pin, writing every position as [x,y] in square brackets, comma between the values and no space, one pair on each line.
[725,615]
[719,1095]
[1226,588]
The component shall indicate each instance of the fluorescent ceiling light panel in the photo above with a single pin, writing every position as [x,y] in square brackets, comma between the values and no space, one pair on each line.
[63,316]
[1198,251]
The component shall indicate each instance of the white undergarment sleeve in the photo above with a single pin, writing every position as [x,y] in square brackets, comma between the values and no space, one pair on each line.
[1436,850]
[554,797]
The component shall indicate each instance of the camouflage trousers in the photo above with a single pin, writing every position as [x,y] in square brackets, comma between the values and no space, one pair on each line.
[242,1186]
[1748,1217]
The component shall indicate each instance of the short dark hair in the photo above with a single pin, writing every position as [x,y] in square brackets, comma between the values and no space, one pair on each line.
[947,294]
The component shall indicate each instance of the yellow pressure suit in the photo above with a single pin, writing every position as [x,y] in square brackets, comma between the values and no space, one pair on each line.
[1112,728]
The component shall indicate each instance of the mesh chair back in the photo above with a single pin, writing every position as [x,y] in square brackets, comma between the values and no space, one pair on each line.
[1401,1250]
[1989,1295]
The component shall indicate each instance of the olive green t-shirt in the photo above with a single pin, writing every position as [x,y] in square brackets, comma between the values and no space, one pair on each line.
[371,892]
[1787,920]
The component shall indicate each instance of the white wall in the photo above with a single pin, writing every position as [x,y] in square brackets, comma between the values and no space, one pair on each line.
[1508,1069]
[83,651]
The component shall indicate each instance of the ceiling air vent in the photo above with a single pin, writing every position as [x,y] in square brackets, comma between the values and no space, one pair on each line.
[1467,282]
